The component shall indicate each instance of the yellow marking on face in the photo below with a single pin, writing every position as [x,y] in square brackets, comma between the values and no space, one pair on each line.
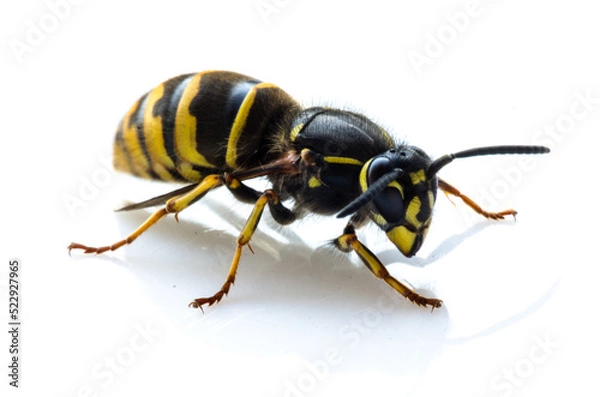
[187,171]
[314,182]
[397,186]
[153,135]
[378,218]
[342,160]
[295,131]
[185,126]
[240,122]
[363,176]
[412,211]
[402,238]
[139,162]
[417,176]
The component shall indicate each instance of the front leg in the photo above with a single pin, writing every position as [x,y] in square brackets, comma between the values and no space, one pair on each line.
[348,242]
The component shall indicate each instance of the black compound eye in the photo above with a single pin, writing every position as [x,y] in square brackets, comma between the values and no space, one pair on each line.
[378,167]
[389,201]
[390,205]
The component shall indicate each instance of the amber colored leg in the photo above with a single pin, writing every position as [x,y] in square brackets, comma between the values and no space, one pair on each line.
[243,239]
[349,242]
[451,190]
[174,205]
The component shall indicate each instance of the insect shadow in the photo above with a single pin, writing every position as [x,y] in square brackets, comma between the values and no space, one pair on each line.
[444,248]
[196,257]
[284,290]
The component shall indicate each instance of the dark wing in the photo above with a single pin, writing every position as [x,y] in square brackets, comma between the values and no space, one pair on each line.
[158,200]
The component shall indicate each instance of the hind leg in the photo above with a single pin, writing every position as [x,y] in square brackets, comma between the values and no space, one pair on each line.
[172,206]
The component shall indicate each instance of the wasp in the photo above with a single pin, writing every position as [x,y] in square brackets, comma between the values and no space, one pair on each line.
[220,128]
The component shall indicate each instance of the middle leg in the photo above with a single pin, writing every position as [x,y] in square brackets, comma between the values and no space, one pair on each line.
[268,197]
[248,195]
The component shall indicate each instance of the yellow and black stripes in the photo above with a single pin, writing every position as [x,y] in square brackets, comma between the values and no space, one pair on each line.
[197,124]
[130,154]
[220,128]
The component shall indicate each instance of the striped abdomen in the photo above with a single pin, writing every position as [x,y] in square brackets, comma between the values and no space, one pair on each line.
[196,124]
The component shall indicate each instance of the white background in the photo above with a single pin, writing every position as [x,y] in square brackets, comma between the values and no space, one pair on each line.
[520,313]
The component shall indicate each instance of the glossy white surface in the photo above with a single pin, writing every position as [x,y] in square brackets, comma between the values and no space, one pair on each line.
[303,320]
